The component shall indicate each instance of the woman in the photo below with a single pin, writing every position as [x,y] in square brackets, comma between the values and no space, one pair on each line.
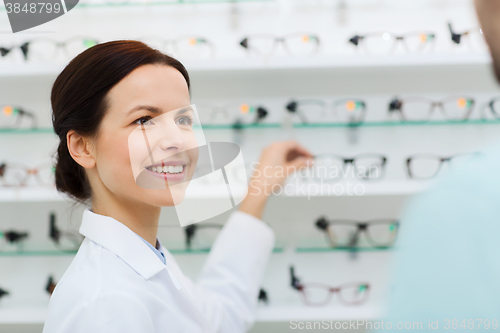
[122,279]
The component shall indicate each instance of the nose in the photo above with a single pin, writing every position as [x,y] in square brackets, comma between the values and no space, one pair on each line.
[172,139]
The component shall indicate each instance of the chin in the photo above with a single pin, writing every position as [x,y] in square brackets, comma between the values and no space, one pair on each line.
[162,198]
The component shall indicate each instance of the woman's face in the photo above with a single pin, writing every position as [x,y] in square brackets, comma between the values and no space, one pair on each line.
[144,149]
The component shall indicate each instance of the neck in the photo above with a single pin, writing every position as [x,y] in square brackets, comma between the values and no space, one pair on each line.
[137,216]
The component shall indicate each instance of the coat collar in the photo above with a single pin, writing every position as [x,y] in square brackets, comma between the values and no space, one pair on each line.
[119,239]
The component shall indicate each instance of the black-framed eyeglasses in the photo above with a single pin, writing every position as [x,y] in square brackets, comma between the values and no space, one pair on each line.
[201,236]
[263,296]
[185,47]
[473,37]
[295,44]
[312,110]
[3,293]
[385,42]
[66,241]
[50,285]
[421,109]
[318,294]
[427,166]
[379,233]
[13,237]
[230,113]
[494,106]
[12,117]
[17,174]
[45,49]
[332,167]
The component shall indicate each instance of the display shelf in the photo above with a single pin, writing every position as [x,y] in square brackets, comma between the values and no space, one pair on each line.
[23,315]
[315,249]
[305,313]
[270,313]
[351,189]
[53,253]
[298,126]
[250,64]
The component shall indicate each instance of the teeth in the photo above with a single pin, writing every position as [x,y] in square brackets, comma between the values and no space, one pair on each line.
[168,169]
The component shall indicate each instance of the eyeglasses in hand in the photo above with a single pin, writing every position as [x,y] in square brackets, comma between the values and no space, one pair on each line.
[295,44]
[427,166]
[12,117]
[332,167]
[312,110]
[380,233]
[421,109]
[318,294]
[385,42]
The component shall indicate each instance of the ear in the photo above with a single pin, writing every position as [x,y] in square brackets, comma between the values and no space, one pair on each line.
[80,149]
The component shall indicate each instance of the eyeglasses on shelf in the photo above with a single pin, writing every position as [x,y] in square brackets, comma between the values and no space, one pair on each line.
[386,42]
[427,166]
[185,47]
[17,175]
[3,293]
[473,38]
[421,109]
[295,44]
[332,167]
[46,49]
[231,113]
[319,294]
[348,110]
[12,117]
[379,233]
[12,237]
[65,241]
[263,296]
[50,285]
[201,236]
[494,107]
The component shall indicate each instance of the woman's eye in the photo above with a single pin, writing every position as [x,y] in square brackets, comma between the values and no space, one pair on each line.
[143,121]
[185,121]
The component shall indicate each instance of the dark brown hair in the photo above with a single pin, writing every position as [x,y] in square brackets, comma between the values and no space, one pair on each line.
[79,100]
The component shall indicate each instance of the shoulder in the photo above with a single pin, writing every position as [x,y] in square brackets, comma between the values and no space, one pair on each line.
[94,294]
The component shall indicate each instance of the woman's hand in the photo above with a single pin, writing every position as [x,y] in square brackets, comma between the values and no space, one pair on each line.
[277,162]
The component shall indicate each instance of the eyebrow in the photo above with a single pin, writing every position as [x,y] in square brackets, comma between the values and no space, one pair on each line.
[156,110]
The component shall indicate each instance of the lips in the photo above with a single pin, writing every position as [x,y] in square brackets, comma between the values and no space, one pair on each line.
[168,170]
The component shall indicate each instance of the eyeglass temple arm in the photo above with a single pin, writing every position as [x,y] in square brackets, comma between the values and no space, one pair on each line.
[295,282]
[454,36]
[31,115]
[190,232]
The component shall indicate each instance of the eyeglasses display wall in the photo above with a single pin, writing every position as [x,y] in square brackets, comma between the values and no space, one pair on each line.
[389,96]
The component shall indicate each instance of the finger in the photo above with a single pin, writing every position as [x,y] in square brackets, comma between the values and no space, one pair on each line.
[298,150]
[300,162]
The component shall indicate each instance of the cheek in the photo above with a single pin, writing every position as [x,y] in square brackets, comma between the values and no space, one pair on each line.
[114,163]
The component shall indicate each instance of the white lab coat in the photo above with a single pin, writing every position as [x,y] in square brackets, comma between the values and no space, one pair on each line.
[117,284]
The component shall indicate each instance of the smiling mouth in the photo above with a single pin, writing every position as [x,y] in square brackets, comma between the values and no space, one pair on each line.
[167,169]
